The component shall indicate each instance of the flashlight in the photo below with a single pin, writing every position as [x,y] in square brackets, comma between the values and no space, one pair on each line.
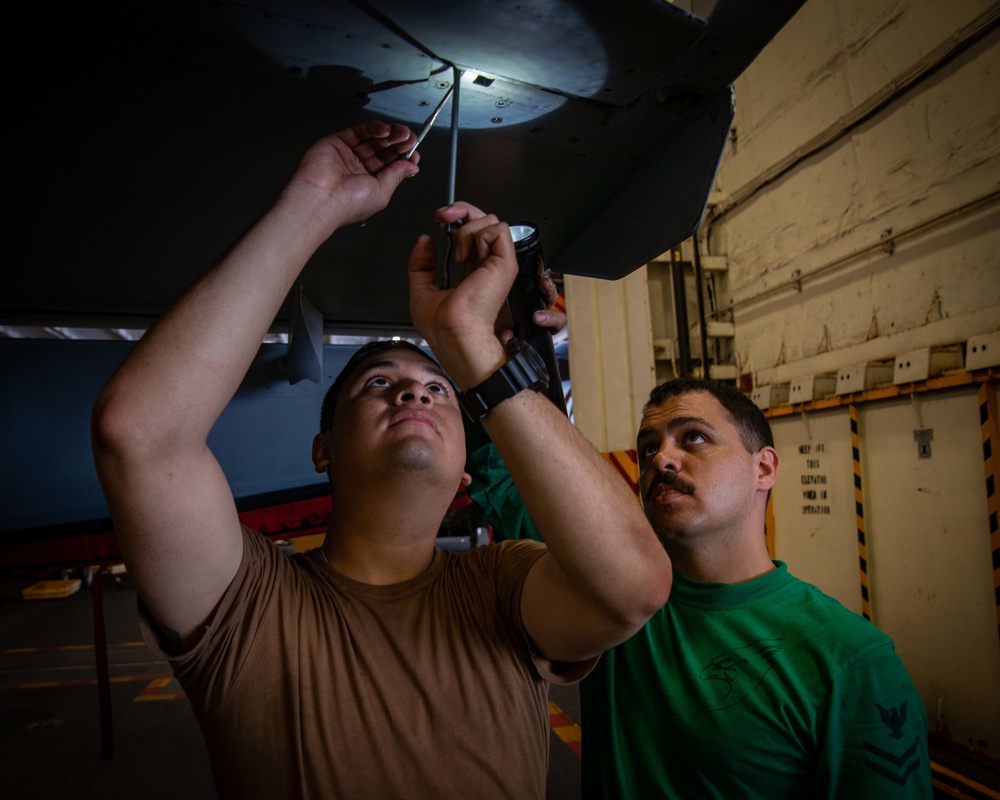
[525,299]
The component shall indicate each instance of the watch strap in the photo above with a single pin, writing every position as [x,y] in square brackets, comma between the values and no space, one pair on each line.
[524,370]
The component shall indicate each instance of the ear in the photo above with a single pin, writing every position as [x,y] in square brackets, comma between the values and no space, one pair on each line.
[767,468]
[466,479]
[320,454]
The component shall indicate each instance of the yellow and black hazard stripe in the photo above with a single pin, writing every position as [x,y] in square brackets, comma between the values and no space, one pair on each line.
[991,463]
[859,514]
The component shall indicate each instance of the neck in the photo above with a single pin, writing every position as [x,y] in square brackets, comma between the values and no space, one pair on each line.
[379,563]
[721,561]
[384,535]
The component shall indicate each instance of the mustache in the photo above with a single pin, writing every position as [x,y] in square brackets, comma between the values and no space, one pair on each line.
[671,479]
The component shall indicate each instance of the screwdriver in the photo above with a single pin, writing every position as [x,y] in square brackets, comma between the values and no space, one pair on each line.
[429,124]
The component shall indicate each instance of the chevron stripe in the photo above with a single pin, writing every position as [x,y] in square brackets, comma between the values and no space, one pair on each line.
[626,462]
[154,691]
[563,727]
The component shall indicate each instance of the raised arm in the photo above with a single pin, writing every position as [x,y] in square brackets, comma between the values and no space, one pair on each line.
[171,505]
[606,573]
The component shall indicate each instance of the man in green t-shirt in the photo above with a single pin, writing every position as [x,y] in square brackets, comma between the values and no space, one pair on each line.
[749,683]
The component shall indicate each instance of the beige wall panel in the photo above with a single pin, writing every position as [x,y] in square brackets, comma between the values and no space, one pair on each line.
[937,292]
[661,300]
[814,525]
[832,56]
[611,357]
[932,150]
[930,571]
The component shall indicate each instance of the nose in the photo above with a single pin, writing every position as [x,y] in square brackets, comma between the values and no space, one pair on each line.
[667,458]
[413,391]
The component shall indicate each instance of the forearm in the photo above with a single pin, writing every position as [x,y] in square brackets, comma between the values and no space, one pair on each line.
[605,573]
[171,504]
[187,367]
[586,514]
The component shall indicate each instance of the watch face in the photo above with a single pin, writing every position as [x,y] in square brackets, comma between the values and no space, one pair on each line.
[525,370]
[535,360]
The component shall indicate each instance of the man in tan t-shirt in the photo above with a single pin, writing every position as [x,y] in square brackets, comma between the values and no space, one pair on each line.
[359,669]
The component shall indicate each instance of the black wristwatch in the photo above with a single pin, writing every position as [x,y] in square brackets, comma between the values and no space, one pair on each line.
[524,370]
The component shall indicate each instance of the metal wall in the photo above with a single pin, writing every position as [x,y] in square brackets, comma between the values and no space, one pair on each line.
[859,203]
[928,565]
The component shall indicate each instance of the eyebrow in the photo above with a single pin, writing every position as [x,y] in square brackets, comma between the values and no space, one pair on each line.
[676,422]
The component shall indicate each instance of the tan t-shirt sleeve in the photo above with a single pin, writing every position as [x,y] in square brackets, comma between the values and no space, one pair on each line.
[511,562]
[212,659]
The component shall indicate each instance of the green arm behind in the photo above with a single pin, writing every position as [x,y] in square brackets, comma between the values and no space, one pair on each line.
[492,490]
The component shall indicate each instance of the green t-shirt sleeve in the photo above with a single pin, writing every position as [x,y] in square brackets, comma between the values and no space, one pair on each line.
[872,734]
[492,489]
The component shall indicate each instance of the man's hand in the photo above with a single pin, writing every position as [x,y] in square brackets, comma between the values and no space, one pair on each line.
[555,321]
[358,168]
[459,323]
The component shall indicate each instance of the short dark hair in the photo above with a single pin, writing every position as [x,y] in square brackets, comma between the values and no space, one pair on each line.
[362,353]
[754,430]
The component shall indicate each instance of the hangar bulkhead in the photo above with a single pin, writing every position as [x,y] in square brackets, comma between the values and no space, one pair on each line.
[797,198]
